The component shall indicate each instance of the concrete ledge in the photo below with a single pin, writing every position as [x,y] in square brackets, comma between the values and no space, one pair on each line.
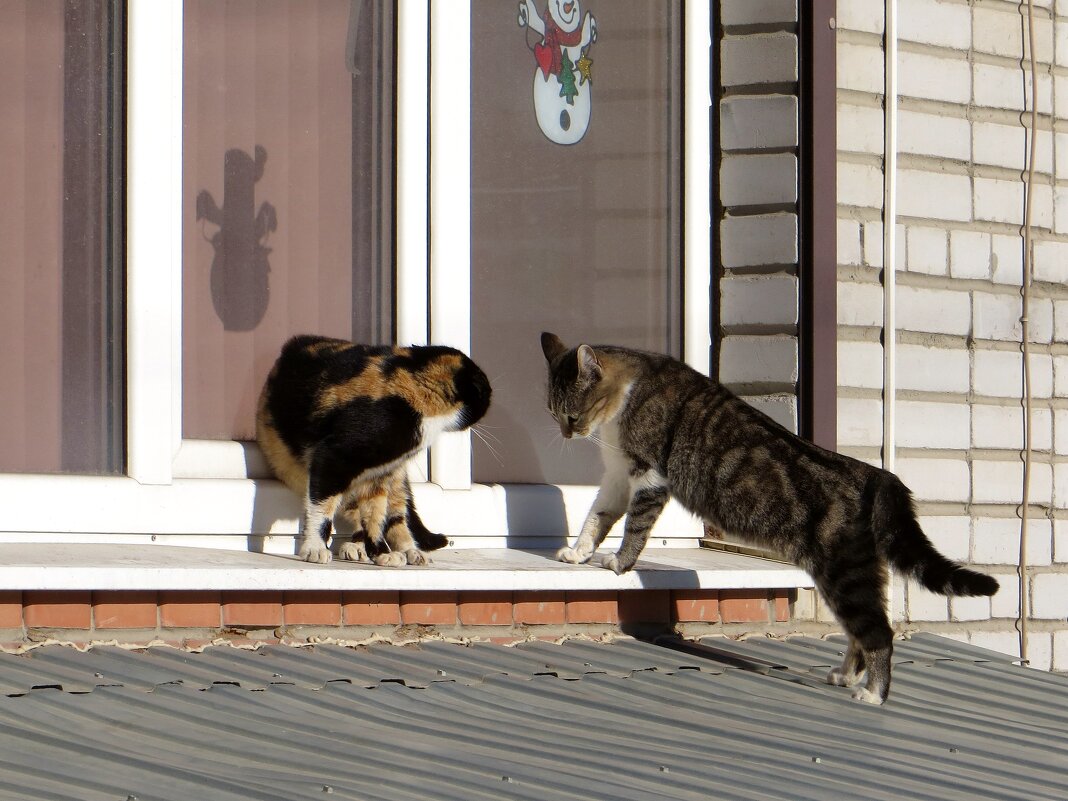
[58,566]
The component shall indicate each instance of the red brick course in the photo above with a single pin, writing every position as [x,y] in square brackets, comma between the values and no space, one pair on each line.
[58,609]
[539,607]
[592,607]
[371,608]
[312,608]
[197,609]
[428,608]
[125,609]
[252,608]
[10,609]
[695,606]
[485,608]
[743,606]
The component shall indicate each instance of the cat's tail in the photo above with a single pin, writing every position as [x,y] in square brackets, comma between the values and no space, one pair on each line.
[907,548]
[426,539]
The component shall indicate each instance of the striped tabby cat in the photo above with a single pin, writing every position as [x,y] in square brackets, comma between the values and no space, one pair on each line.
[666,430]
[338,424]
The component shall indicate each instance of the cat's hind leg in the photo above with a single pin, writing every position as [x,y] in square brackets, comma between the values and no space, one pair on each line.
[356,549]
[852,668]
[857,601]
[374,511]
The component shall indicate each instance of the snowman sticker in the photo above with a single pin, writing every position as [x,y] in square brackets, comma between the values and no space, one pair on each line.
[563,76]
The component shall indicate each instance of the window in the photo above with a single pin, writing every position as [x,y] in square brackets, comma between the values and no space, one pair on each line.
[283,175]
[61,404]
[581,239]
[287,143]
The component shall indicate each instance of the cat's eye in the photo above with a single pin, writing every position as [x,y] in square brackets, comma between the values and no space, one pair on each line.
[571,419]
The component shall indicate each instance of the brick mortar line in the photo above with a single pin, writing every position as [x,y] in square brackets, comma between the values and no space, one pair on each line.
[857,333]
[751,270]
[969,226]
[859,273]
[759,29]
[919,280]
[977,226]
[858,214]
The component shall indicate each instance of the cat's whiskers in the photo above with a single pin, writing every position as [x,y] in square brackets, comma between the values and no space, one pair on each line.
[482,438]
[484,433]
[602,443]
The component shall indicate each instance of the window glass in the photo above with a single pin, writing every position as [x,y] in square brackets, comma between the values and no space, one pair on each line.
[576,206]
[287,191]
[61,394]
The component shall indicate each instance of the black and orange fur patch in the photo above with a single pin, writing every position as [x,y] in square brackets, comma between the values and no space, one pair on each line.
[338,423]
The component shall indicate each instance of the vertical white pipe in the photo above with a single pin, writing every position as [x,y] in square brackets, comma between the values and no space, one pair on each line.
[889,250]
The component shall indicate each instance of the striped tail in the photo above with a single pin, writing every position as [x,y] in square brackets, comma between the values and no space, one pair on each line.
[907,548]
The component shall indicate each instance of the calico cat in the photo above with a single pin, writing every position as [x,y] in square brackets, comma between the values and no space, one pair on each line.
[666,430]
[338,422]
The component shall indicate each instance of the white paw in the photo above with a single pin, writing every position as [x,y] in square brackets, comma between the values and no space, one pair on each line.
[866,695]
[416,557]
[839,678]
[572,556]
[612,563]
[314,552]
[391,559]
[353,552]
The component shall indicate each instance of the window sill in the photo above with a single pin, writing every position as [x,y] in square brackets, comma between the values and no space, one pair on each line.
[59,566]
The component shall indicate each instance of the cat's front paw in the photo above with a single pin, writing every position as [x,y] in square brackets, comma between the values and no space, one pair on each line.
[391,559]
[315,552]
[572,556]
[416,557]
[612,563]
[353,552]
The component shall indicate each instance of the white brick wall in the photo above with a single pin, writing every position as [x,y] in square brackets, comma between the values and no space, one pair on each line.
[758,293]
[758,122]
[758,179]
[959,368]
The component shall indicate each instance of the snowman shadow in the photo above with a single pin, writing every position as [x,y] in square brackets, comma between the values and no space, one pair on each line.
[240,269]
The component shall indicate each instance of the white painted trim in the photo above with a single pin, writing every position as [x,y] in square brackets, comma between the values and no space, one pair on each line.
[697,221]
[154,237]
[243,508]
[126,567]
[413,200]
[450,210]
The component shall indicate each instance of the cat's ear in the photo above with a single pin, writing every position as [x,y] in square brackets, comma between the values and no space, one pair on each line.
[551,345]
[588,364]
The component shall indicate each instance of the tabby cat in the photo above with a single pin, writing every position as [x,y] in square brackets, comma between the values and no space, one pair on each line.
[338,423]
[666,430]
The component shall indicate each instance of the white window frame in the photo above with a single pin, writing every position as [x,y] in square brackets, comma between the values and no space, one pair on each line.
[214,493]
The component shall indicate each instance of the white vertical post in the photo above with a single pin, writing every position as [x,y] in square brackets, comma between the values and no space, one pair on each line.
[413,143]
[697,247]
[154,238]
[450,209]
[413,175]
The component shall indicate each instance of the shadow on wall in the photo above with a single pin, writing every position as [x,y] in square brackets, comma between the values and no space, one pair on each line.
[240,290]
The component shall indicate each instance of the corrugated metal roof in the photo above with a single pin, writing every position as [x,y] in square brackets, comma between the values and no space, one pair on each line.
[578,720]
